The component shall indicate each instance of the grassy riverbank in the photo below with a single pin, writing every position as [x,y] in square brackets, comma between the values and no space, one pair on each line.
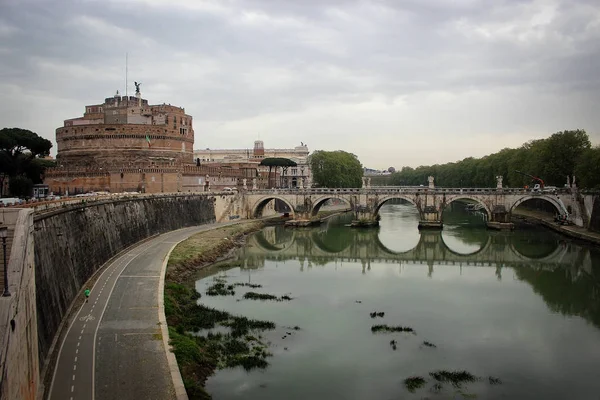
[200,354]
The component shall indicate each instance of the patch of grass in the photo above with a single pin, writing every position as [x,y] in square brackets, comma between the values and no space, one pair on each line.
[413,383]
[387,328]
[157,336]
[199,356]
[265,296]
[376,314]
[206,248]
[456,378]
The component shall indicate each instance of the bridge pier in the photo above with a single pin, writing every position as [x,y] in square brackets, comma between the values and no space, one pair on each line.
[430,218]
[500,219]
[364,218]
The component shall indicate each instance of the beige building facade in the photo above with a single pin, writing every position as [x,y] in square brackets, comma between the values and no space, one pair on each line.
[298,176]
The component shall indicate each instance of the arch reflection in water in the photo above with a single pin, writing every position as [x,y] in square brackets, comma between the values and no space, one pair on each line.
[337,242]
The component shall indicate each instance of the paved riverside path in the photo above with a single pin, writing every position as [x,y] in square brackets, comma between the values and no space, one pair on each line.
[114,348]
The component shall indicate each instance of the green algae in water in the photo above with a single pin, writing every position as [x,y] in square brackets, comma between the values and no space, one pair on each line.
[413,383]
[265,296]
[250,285]
[456,378]
[387,328]
[219,289]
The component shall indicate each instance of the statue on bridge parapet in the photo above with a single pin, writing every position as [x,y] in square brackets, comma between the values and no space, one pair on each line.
[253,183]
[431,179]
[499,182]
[364,182]
[301,183]
[368,183]
[244,186]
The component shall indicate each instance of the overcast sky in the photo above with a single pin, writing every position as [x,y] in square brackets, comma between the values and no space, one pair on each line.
[396,82]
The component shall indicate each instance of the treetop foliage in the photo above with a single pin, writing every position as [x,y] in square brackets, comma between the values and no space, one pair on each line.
[278,162]
[20,150]
[563,154]
[333,169]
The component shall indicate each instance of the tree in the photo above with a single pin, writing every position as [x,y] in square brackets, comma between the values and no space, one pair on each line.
[20,150]
[391,170]
[553,159]
[336,169]
[587,169]
[277,162]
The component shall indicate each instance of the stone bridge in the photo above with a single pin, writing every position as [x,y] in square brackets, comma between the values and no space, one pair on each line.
[496,203]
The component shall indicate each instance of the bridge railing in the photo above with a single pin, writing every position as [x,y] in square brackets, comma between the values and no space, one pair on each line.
[408,190]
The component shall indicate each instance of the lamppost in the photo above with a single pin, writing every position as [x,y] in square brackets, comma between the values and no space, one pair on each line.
[3,234]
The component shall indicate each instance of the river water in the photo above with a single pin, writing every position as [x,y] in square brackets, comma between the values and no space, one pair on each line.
[522,307]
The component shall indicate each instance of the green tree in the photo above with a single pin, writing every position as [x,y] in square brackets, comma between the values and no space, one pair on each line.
[20,152]
[587,169]
[277,162]
[551,159]
[335,169]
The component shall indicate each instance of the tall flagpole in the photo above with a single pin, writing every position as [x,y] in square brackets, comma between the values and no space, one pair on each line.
[126,93]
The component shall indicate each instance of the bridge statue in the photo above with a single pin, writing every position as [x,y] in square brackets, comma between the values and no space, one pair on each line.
[253,183]
[568,181]
[364,184]
[499,182]
[244,184]
[301,183]
[430,179]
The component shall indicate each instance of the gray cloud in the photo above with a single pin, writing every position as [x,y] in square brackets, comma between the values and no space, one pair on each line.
[396,82]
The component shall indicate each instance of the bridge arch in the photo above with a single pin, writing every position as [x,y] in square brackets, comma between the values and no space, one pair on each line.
[450,199]
[260,204]
[385,199]
[319,201]
[549,199]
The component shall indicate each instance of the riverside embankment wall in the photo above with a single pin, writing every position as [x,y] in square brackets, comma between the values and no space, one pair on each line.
[73,242]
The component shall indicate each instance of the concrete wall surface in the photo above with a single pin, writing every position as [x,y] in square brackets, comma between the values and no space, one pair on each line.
[19,366]
[592,204]
[72,243]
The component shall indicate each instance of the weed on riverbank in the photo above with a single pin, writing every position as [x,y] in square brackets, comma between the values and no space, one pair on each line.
[387,328]
[265,296]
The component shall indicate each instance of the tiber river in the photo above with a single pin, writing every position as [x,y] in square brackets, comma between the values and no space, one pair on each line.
[522,307]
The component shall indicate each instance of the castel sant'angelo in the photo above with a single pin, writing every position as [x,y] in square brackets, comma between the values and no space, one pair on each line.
[127,145]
